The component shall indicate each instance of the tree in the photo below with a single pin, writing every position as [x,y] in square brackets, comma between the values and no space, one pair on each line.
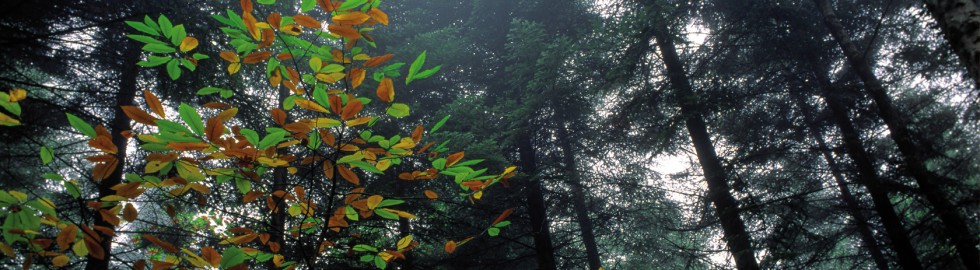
[331,148]
[959,20]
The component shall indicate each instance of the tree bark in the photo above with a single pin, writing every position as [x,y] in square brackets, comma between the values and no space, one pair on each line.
[125,95]
[581,208]
[956,228]
[959,21]
[726,206]
[853,205]
[538,211]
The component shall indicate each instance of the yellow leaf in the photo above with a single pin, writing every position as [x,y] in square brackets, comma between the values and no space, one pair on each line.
[509,170]
[351,18]
[17,95]
[378,15]
[404,143]
[478,195]
[59,261]
[7,250]
[404,242]
[385,256]
[324,122]
[373,201]
[292,29]
[330,78]
[401,213]
[79,249]
[233,68]
[189,43]
[359,121]
[272,162]
[154,166]
[383,164]
[310,105]
[22,197]
[8,121]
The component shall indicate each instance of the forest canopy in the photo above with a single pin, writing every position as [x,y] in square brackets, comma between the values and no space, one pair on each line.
[483,134]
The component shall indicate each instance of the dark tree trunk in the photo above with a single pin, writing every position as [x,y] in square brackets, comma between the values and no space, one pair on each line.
[726,206]
[537,210]
[956,229]
[868,177]
[578,200]
[120,122]
[853,205]
[959,20]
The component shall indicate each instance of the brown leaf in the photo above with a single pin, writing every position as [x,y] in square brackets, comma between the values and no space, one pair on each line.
[139,115]
[417,133]
[351,109]
[356,77]
[356,17]
[67,236]
[378,15]
[103,143]
[328,169]
[502,216]
[211,256]
[160,243]
[188,146]
[431,194]
[344,31]
[104,170]
[154,103]
[377,60]
[250,22]
[386,90]
[256,57]
[94,248]
[310,105]
[348,175]
[230,56]
[278,115]
[109,217]
[450,246]
[246,6]
[307,21]
[214,128]
[452,159]
[129,212]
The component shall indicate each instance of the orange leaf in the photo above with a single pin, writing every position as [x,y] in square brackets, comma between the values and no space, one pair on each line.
[160,243]
[328,169]
[256,57]
[214,128]
[417,133]
[211,256]
[310,105]
[279,116]
[189,43]
[103,143]
[129,212]
[353,107]
[356,17]
[431,194]
[378,15]
[154,103]
[274,19]
[502,216]
[344,31]
[250,22]
[348,175]
[356,77]
[139,115]
[284,56]
[450,246]
[377,60]
[335,103]
[246,6]
[67,236]
[452,159]
[386,90]
[104,170]
[307,21]
[94,248]
[109,217]
[230,56]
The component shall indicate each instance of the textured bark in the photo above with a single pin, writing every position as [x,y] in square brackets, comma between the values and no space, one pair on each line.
[955,225]
[586,230]
[861,223]
[959,20]
[726,206]
[538,211]
[120,122]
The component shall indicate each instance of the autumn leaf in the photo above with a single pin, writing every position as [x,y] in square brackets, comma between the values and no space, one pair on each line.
[160,243]
[214,128]
[348,175]
[452,159]
[450,246]
[139,115]
[256,57]
[378,15]
[351,109]
[377,60]
[189,43]
[431,194]
[129,212]
[356,77]
[154,103]
[351,18]
[104,170]
[344,31]
[386,90]
[230,56]
[310,105]
[307,21]
[503,216]
[292,29]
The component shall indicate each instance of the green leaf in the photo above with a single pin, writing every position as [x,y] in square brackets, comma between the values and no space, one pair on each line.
[81,126]
[210,90]
[266,2]
[314,141]
[173,69]
[390,202]
[154,60]
[351,4]
[439,124]
[199,56]
[385,214]
[43,207]
[232,256]
[416,66]
[146,39]
[172,127]
[321,97]
[364,248]
[250,135]
[271,139]
[158,48]
[398,110]
[47,155]
[53,176]
[226,93]
[307,5]
[264,257]
[178,35]
[493,231]
[366,166]
[379,262]
[439,164]
[427,73]
[166,26]
[143,28]
[502,224]
[72,189]
[350,213]
[192,118]
[187,64]
[243,185]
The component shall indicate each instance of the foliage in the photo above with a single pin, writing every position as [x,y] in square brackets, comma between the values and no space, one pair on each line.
[320,168]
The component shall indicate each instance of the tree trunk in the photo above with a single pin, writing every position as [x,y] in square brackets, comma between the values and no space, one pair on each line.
[956,229]
[959,20]
[853,205]
[578,200]
[120,122]
[726,206]
[540,228]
